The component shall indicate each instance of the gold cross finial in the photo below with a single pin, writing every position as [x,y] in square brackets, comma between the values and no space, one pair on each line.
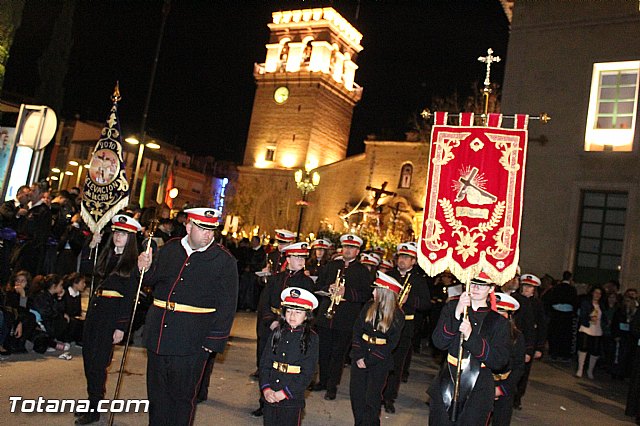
[489,59]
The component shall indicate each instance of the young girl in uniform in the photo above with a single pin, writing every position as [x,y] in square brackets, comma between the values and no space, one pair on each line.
[487,346]
[110,308]
[506,380]
[288,363]
[375,334]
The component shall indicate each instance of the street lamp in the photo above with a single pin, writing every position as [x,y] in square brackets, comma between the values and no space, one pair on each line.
[151,145]
[306,183]
[79,166]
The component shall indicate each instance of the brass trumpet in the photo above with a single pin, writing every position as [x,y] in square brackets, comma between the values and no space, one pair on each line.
[406,288]
[336,298]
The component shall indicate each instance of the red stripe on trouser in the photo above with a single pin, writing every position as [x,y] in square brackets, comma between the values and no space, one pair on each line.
[197,388]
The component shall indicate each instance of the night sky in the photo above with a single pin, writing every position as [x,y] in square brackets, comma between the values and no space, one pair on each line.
[204,88]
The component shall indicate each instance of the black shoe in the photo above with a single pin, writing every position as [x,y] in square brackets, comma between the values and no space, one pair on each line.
[88,418]
[404,379]
[517,406]
[389,407]
[257,413]
[255,374]
[318,387]
[330,395]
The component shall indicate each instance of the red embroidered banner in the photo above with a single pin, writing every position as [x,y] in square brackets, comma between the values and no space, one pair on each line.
[473,207]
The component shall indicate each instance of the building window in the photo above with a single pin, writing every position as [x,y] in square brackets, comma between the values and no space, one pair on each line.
[405,176]
[612,106]
[270,155]
[601,236]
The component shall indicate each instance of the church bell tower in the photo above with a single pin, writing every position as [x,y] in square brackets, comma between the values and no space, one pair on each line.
[305,91]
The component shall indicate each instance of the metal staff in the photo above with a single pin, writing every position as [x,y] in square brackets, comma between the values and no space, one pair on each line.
[152,228]
[93,275]
[456,388]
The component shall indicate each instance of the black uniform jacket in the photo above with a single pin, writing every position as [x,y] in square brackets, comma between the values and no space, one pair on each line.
[288,352]
[113,312]
[207,279]
[525,321]
[375,354]
[275,285]
[357,292]
[489,343]
[419,298]
[509,385]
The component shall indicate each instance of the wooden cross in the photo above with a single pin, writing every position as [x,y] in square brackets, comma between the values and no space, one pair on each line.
[379,192]
[489,59]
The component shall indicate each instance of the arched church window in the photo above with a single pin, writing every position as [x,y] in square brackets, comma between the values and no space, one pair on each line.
[306,53]
[406,173]
[284,55]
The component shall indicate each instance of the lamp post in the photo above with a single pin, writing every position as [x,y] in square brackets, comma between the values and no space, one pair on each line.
[79,166]
[306,183]
[151,145]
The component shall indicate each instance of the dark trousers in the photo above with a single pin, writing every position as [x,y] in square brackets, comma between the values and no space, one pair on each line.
[203,392]
[275,415]
[502,411]
[560,334]
[97,352]
[334,345]
[172,385]
[400,354]
[366,393]
[522,384]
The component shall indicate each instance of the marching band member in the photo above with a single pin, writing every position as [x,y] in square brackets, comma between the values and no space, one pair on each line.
[385,266]
[370,262]
[319,256]
[289,360]
[528,285]
[350,284]
[275,259]
[506,380]
[195,288]
[271,312]
[110,309]
[415,297]
[486,345]
[376,333]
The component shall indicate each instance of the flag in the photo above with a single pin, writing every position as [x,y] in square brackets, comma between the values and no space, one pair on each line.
[473,208]
[106,189]
[167,198]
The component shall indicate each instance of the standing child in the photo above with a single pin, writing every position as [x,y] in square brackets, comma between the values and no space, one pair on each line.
[375,334]
[288,363]
[507,379]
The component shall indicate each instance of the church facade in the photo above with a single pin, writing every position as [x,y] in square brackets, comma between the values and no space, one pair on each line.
[579,62]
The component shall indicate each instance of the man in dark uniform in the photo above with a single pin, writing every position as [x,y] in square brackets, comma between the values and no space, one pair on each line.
[33,233]
[563,303]
[335,325]
[528,284]
[414,297]
[270,313]
[195,287]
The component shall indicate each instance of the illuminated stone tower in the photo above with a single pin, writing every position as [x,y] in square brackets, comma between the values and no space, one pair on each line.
[305,91]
